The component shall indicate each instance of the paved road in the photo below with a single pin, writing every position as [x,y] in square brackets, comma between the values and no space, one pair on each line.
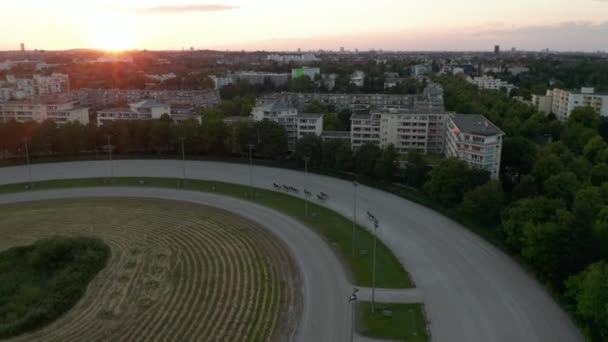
[471,290]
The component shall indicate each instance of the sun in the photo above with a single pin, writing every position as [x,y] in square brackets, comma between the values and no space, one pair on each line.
[113,39]
[112,32]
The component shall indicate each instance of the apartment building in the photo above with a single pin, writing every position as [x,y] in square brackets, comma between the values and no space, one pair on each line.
[358,78]
[53,84]
[421,129]
[59,111]
[252,77]
[144,110]
[299,125]
[305,71]
[543,103]
[565,101]
[358,103]
[296,124]
[491,83]
[104,98]
[475,140]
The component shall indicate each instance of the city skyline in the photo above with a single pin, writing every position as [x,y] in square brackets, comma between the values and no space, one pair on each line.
[277,25]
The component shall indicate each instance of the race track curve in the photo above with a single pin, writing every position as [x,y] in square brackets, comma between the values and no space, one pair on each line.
[471,290]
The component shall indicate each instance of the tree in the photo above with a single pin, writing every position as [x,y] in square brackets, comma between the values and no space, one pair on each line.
[310,146]
[518,155]
[272,139]
[451,179]
[534,210]
[562,185]
[600,234]
[365,159]
[526,187]
[599,174]
[587,204]
[484,204]
[589,291]
[417,170]
[385,166]
[593,148]
[585,116]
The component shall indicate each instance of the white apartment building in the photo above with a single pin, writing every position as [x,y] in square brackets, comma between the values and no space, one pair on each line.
[358,78]
[296,124]
[302,58]
[543,103]
[305,71]
[59,111]
[220,82]
[272,111]
[299,125]
[56,83]
[144,110]
[564,101]
[421,129]
[491,83]
[475,140]
[420,69]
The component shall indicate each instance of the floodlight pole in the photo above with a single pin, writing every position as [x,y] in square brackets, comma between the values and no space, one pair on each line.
[355,185]
[374,268]
[306,160]
[251,147]
[29,167]
[183,162]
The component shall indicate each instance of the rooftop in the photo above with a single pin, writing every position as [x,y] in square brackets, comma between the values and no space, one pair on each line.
[276,107]
[117,110]
[476,124]
[150,103]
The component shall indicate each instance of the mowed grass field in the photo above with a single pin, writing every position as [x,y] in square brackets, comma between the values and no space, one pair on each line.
[178,272]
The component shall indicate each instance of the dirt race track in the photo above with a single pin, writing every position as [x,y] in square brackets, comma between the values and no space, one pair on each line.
[178,272]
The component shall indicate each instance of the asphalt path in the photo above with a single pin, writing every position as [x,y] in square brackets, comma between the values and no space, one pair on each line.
[471,290]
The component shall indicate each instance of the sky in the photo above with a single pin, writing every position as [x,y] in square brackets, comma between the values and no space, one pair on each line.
[283,25]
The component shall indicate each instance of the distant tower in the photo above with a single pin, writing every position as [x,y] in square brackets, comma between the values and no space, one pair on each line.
[22,47]
[497,49]
[342,49]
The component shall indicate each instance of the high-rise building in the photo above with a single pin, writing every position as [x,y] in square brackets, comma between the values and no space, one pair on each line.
[565,101]
[475,140]
[22,47]
[496,49]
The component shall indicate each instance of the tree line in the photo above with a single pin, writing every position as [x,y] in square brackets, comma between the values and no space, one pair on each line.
[551,206]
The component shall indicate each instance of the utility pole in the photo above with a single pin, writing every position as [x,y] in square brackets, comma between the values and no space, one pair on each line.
[306,160]
[110,156]
[374,268]
[355,185]
[29,167]
[352,300]
[251,147]
[183,162]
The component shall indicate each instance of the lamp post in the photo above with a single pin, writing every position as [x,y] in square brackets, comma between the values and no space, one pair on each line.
[374,268]
[110,156]
[183,162]
[355,185]
[306,160]
[27,158]
[251,147]
[352,300]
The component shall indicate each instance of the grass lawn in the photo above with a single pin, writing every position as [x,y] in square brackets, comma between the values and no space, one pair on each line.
[335,228]
[406,322]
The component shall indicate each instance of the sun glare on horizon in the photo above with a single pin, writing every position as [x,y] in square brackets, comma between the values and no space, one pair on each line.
[117,36]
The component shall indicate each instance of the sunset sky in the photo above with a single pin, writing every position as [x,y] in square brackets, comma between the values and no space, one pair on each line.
[310,24]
